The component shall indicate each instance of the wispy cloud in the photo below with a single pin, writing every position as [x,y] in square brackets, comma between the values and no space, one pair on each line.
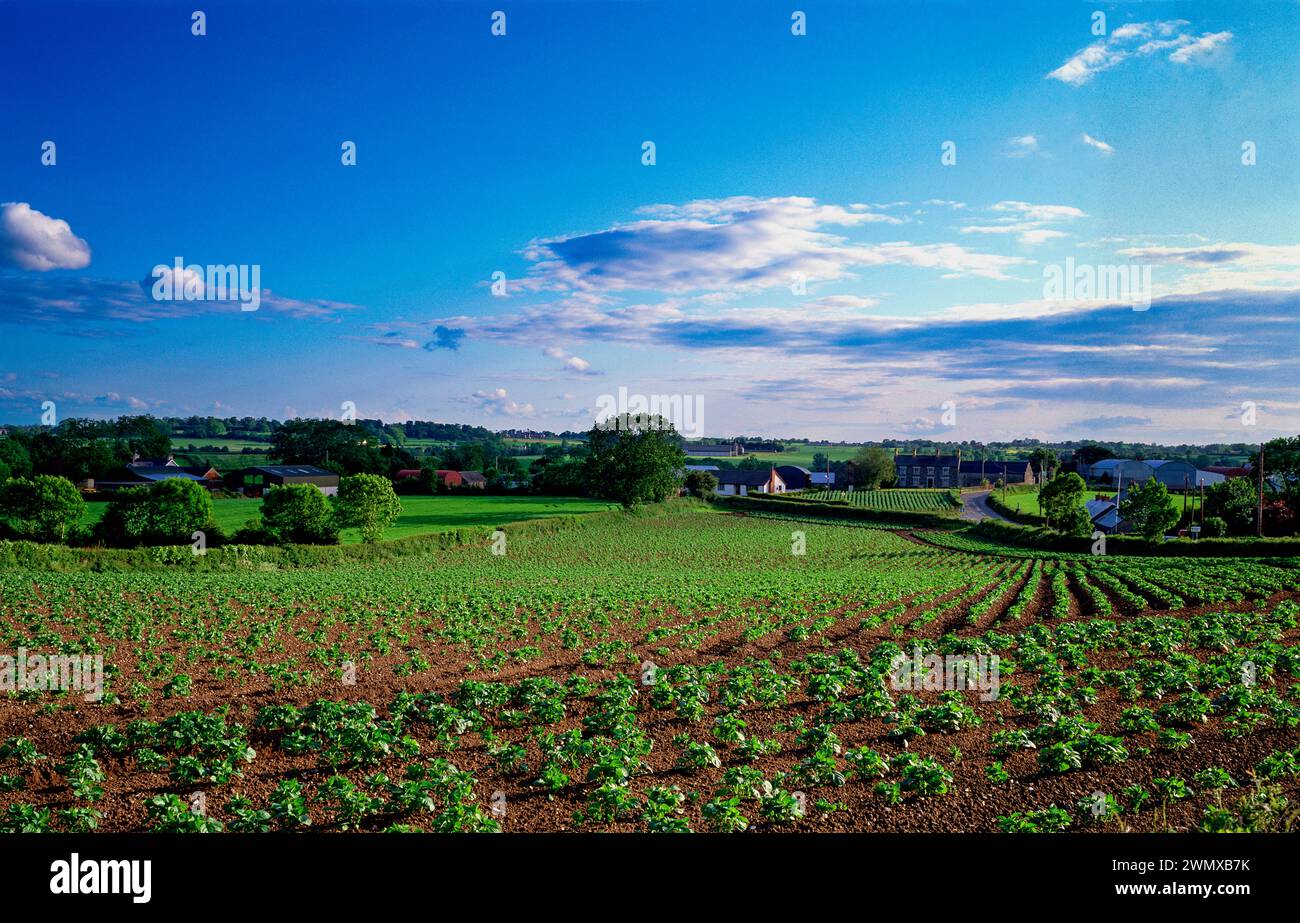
[736,244]
[1028,222]
[1098,144]
[1022,146]
[102,307]
[1140,39]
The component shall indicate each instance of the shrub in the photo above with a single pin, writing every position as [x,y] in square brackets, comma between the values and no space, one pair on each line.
[299,514]
[166,513]
[1214,527]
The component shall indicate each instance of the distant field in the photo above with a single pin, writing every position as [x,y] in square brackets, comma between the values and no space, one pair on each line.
[182,443]
[911,499]
[801,455]
[1027,503]
[419,514]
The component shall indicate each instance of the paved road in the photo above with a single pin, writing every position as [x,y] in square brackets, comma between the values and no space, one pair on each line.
[975,506]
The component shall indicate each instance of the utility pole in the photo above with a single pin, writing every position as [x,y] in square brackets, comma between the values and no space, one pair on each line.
[1187,487]
[1259,522]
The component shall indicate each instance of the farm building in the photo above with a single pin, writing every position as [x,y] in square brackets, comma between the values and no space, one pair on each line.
[795,477]
[406,473]
[138,475]
[822,478]
[253,482]
[974,473]
[1120,470]
[138,462]
[742,483]
[1174,474]
[1229,471]
[714,451]
[927,470]
[1104,515]
[700,467]
[1179,474]
[461,478]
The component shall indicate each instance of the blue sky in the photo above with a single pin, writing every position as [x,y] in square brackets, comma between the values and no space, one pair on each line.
[798,257]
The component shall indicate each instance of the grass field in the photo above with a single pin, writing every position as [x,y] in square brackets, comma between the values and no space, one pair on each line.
[235,446]
[797,454]
[1027,502]
[419,514]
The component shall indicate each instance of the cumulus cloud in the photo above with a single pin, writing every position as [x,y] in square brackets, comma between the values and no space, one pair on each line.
[570,362]
[34,241]
[498,402]
[1140,39]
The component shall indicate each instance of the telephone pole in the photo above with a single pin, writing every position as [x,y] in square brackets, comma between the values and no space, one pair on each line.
[1259,520]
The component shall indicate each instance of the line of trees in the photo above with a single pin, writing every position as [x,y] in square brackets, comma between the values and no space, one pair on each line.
[48,508]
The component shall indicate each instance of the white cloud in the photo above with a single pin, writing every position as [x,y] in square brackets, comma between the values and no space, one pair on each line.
[1201,49]
[1026,221]
[571,363]
[497,401]
[1032,212]
[1098,144]
[35,241]
[1123,43]
[1022,146]
[735,244]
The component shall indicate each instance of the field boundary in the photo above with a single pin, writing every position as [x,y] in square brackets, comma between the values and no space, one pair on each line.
[25,555]
[837,511]
[1040,539]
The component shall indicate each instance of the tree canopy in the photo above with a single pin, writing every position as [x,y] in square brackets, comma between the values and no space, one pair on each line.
[633,460]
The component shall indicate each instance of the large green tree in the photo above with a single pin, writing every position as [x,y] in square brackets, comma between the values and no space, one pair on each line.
[634,460]
[330,444]
[1059,500]
[1282,461]
[1045,463]
[43,508]
[367,502]
[15,458]
[873,467]
[1236,502]
[1149,509]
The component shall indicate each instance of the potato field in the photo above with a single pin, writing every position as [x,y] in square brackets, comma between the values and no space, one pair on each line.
[687,670]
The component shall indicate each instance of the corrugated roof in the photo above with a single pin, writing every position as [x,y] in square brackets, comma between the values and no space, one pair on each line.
[293,471]
[745,478]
